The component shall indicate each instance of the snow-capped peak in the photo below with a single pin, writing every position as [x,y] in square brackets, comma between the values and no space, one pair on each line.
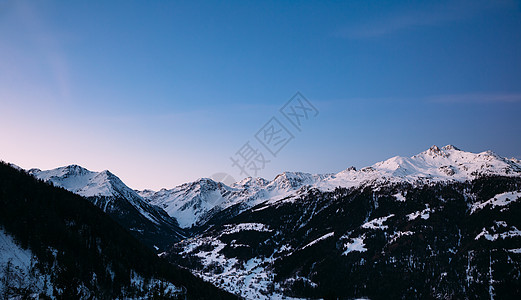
[107,191]
[434,150]
[450,147]
[251,182]
[202,184]
[82,181]
[145,193]
[433,165]
[291,180]
[294,180]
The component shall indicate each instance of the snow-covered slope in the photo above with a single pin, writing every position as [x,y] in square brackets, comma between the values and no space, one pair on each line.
[191,203]
[17,269]
[109,193]
[95,184]
[433,165]
[10,251]
[357,238]
[194,203]
[84,182]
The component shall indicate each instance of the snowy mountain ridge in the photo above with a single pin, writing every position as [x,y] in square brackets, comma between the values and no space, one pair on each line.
[433,165]
[108,192]
[91,184]
[194,203]
[84,182]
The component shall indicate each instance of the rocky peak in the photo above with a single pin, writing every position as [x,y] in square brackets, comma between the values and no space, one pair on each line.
[450,147]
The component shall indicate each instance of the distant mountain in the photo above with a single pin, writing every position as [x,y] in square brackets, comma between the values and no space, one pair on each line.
[193,204]
[196,203]
[57,245]
[147,222]
[442,224]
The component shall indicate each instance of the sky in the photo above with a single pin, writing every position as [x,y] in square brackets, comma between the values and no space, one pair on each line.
[162,93]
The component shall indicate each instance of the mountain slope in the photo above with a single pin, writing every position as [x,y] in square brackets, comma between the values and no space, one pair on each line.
[57,244]
[444,240]
[448,164]
[441,224]
[193,204]
[147,222]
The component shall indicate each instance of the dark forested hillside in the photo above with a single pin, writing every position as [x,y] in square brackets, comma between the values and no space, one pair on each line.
[439,241]
[83,252]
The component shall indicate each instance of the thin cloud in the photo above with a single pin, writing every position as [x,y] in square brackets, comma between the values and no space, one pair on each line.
[477,98]
[393,24]
[46,42]
[427,17]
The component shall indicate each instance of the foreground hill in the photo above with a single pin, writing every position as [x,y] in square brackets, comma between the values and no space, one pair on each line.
[56,244]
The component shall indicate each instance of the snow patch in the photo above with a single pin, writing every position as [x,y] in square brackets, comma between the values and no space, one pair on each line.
[246,227]
[502,199]
[377,223]
[395,236]
[493,235]
[399,197]
[424,214]
[18,270]
[325,236]
[355,245]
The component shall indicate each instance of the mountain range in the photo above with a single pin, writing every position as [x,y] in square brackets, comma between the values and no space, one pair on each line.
[440,224]
[55,244]
[193,204]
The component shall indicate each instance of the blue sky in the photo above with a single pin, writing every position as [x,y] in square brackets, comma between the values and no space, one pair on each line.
[166,92]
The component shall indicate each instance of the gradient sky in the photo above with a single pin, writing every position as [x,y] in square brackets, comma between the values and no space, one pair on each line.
[162,93]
